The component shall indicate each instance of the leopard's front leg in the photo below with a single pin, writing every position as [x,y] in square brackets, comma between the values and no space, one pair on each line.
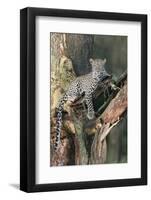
[89,103]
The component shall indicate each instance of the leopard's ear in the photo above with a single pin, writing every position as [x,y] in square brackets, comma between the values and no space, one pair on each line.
[91,61]
[104,61]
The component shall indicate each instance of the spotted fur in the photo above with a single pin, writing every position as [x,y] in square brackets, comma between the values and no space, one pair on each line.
[85,84]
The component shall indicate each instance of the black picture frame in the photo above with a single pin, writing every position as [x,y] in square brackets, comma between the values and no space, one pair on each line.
[28,99]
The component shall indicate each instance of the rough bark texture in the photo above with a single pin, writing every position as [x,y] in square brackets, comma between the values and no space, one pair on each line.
[62,73]
[79,49]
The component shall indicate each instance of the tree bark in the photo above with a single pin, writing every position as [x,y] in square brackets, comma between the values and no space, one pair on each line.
[79,49]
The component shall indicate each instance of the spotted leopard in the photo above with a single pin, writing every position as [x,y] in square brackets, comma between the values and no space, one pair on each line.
[82,85]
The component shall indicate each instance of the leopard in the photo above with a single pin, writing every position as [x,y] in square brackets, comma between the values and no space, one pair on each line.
[82,85]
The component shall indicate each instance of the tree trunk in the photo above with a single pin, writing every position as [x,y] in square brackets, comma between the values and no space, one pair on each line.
[79,49]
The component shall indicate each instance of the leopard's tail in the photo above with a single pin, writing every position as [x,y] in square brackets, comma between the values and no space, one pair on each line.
[59,121]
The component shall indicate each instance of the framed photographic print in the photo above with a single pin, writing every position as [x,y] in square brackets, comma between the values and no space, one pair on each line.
[83,99]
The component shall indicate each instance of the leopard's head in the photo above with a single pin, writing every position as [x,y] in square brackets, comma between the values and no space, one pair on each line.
[97,64]
[98,68]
